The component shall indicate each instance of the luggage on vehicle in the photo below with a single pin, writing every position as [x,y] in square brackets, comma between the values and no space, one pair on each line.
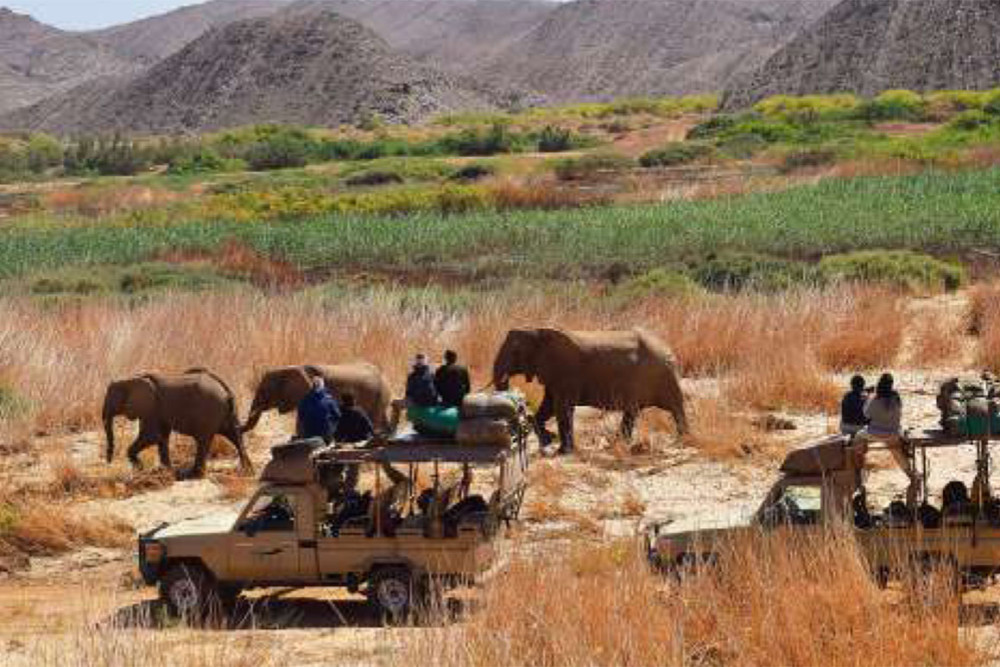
[484,432]
[969,407]
[434,422]
[502,405]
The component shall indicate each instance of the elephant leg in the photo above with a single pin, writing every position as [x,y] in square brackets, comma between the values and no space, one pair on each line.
[163,445]
[564,415]
[234,435]
[197,469]
[628,423]
[145,439]
[545,412]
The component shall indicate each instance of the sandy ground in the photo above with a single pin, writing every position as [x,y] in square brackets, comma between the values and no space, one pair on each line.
[595,495]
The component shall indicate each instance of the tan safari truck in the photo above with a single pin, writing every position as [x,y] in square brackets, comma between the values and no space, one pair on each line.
[823,485]
[306,526]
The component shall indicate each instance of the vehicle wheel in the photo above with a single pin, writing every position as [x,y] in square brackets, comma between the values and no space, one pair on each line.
[391,591]
[189,592]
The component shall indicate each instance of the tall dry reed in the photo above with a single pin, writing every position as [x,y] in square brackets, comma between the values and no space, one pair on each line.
[773,600]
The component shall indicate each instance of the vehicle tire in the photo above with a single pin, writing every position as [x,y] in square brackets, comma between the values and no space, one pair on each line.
[392,591]
[189,592]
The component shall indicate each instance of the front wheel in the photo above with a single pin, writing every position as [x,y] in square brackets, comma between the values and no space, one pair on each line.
[189,592]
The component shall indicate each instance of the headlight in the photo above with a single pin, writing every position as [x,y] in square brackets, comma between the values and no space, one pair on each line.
[154,552]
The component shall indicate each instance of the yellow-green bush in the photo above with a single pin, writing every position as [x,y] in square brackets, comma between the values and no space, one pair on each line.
[821,106]
[900,268]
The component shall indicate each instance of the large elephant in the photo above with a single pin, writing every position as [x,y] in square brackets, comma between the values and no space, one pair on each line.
[282,389]
[611,370]
[196,403]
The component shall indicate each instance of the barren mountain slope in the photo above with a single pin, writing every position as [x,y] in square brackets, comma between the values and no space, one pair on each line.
[452,34]
[155,38]
[867,46]
[599,49]
[37,60]
[311,68]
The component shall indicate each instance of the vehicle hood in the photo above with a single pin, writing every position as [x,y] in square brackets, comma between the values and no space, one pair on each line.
[679,535]
[220,522]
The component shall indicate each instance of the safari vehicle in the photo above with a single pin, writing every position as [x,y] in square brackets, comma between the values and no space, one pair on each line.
[304,526]
[823,485]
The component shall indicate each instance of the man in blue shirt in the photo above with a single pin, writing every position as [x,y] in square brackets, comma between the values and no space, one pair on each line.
[318,413]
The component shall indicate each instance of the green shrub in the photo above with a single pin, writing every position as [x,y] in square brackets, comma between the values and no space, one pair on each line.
[808,157]
[808,107]
[204,160]
[50,286]
[747,271]
[555,140]
[894,105]
[280,151]
[713,127]
[968,121]
[474,172]
[374,177]
[660,282]
[588,166]
[900,268]
[991,104]
[117,156]
[498,139]
[676,153]
[43,152]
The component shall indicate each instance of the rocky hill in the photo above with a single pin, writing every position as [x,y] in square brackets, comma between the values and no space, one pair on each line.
[867,46]
[599,49]
[157,37]
[311,68]
[37,60]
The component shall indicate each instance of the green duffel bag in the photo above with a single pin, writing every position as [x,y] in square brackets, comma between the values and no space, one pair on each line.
[434,422]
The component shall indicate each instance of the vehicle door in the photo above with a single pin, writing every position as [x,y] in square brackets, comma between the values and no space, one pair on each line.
[266,544]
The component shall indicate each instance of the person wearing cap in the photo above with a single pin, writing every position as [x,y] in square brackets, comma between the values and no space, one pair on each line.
[318,413]
[451,381]
[420,390]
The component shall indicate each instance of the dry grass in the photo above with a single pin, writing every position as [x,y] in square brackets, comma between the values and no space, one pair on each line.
[773,601]
[97,202]
[720,431]
[47,529]
[512,195]
[784,378]
[984,320]
[56,361]
[868,334]
[118,481]
[935,343]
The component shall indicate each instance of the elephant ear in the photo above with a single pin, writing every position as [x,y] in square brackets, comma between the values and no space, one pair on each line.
[140,397]
[292,388]
[557,356]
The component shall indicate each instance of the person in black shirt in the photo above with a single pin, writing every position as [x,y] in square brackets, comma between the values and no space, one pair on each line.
[852,407]
[354,425]
[452,381]
[420,390]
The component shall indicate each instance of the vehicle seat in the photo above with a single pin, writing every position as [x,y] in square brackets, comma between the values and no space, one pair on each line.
[463,510]
[897,515]
[929,516]
[956,508]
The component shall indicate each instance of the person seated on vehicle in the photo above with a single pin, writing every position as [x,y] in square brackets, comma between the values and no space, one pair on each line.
[884,412]
[852,407]
[352,505]
[420,389]
[318,413]
[451,380]
[424,409]
[955,500]
[930,516]
[468,506]
[277,515]
[354,427]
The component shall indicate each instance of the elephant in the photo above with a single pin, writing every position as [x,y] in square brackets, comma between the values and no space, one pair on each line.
[196,403]
[611,370]
[284,388]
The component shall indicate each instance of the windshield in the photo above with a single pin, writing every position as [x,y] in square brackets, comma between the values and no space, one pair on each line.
[799,505]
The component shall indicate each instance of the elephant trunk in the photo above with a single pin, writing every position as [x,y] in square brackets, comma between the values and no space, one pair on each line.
[252,420]
[109,431]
